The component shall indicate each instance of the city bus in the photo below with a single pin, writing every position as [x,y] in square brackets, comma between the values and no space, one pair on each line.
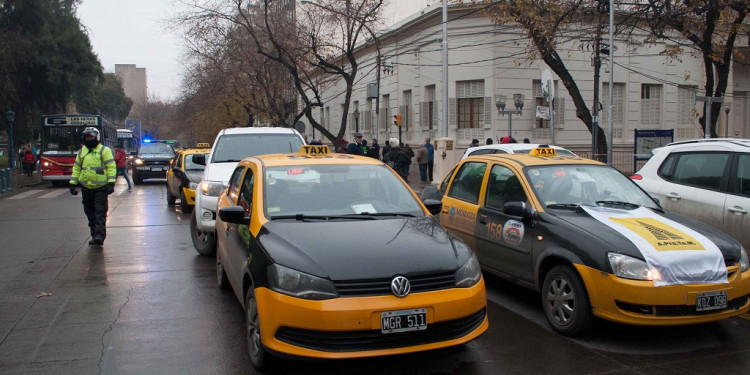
[129,139]
[61,140]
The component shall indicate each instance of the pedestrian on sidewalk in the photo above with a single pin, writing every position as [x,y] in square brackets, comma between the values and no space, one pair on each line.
[430,157]
[121,161]
[29,162]
[422,161]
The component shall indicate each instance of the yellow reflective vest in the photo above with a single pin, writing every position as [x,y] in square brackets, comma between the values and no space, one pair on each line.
[94,168]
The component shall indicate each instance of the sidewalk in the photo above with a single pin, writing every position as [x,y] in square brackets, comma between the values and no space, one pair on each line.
[20,181]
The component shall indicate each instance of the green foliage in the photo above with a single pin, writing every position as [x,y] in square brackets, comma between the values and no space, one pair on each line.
[106,97]
[46,61]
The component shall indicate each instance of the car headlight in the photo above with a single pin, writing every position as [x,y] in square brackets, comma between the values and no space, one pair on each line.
[627,267]
[211,189]
[469,274]
[138,161]
[193,185]
[744,263]
[299,284]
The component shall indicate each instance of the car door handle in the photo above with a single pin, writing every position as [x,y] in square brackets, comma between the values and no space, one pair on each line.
[483,219]
[737,210]
[674,196]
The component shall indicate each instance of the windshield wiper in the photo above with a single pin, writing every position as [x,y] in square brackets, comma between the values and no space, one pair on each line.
[303,217]
[568,206]
[228,161]
[617,204]
[403,214]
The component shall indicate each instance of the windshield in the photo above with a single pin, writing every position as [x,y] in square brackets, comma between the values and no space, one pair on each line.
[156,148]
[190,165]
[62,139]
[325,190]
[584,184]
[235,147]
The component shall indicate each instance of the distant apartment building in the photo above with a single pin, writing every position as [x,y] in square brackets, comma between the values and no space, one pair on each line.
[133,81]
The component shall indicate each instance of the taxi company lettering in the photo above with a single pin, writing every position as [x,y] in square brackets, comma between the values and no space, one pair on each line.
[660,235]
[462,217]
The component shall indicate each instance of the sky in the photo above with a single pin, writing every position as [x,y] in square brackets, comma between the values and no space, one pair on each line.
[135,32]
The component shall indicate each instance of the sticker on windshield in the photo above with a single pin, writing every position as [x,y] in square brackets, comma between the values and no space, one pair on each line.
[513,232]
[362,208]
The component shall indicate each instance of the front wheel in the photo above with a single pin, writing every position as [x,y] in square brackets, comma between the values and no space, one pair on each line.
[184,206]
[170,198]
[259,357]
[204,242]
[565,301]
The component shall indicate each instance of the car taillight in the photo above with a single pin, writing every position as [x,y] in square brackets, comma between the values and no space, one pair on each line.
[636,177]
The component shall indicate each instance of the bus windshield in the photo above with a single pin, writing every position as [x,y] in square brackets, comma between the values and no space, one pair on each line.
[62,140]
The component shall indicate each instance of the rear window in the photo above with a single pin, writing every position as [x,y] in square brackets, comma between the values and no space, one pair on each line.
[235,147]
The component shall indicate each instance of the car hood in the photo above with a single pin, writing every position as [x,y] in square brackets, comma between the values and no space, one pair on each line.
[729,248]
[219,171]
[362,249]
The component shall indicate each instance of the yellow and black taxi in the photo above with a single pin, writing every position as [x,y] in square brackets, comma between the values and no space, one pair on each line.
[333,256]
[591,241]
[183,177]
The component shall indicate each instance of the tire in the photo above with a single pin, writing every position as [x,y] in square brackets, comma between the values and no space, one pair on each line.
[221,276]
[137,180]
[565,301]
[170,198]
[204,242]
[184,206]
[260,358]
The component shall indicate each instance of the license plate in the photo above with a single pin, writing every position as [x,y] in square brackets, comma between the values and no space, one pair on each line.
[403,320]
[711,301]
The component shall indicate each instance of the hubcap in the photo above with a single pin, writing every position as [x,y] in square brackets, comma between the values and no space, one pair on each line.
[253,328]
[561,301]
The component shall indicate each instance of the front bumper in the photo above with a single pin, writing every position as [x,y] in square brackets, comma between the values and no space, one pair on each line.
[189,196]
[349,327]
[641,303]
[146,171]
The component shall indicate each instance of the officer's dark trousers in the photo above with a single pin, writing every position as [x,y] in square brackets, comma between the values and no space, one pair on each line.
[95,206]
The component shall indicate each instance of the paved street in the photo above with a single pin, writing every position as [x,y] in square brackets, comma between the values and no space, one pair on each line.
[146,302]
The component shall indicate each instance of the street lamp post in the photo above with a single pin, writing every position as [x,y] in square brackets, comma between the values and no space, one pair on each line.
[726,126]
[500,104]
[356,119]
[11,116]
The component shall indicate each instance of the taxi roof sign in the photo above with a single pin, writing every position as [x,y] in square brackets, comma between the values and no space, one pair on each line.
[314,150]
[543,150]
[203,145]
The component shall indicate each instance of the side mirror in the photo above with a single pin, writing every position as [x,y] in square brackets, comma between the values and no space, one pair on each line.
[234,215]
[433,205]
[431,192]
[199,159]
[519,209]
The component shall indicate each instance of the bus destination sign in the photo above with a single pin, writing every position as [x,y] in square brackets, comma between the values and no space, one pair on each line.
[71,120]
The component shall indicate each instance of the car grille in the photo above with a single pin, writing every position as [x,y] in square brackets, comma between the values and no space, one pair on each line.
[353,341]
[381,287]
[678,310]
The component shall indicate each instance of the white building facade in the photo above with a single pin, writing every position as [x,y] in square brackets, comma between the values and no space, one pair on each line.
[487,60]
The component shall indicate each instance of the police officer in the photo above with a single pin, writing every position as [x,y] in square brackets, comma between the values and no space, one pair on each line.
[95,171]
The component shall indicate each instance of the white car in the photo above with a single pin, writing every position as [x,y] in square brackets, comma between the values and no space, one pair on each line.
[511,148]
[230,147]
[705,179]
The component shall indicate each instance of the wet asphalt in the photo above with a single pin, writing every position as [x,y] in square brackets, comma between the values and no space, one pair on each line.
[146,302]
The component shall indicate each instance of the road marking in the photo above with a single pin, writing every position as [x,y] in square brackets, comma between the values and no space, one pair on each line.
[25,195]
[55,194]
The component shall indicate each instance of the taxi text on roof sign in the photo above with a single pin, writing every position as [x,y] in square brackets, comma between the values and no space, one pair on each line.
[543,151]
[203,145]
[314,150]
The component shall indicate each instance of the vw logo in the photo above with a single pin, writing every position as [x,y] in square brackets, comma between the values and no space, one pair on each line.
[400,286]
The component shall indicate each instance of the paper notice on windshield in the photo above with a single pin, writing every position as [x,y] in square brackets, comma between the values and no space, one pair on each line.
[360,208]
[678,254]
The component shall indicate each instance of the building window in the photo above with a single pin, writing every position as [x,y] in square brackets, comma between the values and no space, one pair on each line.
[470,104]
[540,100]
[405,109]
[650,104]
[686,105]
[618,103]
[428,108]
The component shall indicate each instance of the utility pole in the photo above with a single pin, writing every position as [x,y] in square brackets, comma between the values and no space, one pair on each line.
[444,128]
[597,67]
